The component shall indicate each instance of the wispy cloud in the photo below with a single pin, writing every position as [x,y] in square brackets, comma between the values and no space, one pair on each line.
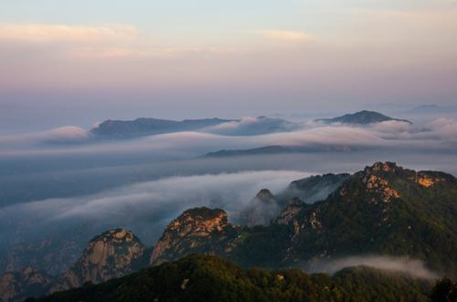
[66,33]
[283,35]
[414,268]
[154,202]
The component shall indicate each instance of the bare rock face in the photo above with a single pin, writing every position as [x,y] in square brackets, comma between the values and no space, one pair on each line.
[112,254]
[374,184]
[27,282]
[290,211]
[201,230]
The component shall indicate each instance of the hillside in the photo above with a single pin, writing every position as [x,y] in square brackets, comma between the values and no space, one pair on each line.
[206,278]
[382,210]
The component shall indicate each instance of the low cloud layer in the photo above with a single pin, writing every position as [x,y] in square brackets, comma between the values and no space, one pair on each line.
[438,135]
[411,267]
[253,126]
[145,207]
[65,134]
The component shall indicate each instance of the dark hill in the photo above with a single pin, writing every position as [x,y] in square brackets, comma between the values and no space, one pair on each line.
[149,126]
[205,278]
[363,117]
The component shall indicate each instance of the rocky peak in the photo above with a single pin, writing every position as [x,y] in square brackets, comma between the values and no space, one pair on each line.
[265,195]
[382,167]
[374,184]
[199,221]
[261,210]
[194,229]
[109,255]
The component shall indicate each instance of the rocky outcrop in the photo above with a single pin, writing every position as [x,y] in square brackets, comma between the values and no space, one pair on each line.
[199,230]
[114,253]
[27,282]
[261,210]
[290,211]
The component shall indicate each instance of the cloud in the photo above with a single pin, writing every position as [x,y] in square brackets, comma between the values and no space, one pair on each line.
[414,268]
[154,203]
[247,133]
[282,35]
[253,126]
[37,33]
[65,134]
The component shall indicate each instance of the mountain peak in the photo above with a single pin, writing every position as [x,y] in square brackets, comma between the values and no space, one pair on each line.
[265,195]
[363,117]
[109,255]
[382,166]
[195,228]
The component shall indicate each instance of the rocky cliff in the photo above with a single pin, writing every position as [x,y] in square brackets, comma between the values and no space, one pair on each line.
[199,230]
[114,253]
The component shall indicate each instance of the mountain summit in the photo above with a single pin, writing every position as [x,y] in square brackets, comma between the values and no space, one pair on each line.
[363,117]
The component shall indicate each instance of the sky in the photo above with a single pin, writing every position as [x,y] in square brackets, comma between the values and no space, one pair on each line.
[79,62]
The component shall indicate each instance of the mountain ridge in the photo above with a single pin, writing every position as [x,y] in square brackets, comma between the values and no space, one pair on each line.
[363,117]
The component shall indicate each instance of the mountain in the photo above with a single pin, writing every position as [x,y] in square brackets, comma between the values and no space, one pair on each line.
[314,188]
[27,282]
[382,210]
[199,230]
[150,126]
[363,117]
[255,151]
[114,253]
[277,149]
[264,207]
[206,278]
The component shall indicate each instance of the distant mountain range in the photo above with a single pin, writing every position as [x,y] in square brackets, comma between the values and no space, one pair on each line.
[151,126]
[381,210]
[279,150]
[116,129]
[363,117]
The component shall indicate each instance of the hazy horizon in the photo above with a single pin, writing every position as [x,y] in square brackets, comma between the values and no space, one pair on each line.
[76,63]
